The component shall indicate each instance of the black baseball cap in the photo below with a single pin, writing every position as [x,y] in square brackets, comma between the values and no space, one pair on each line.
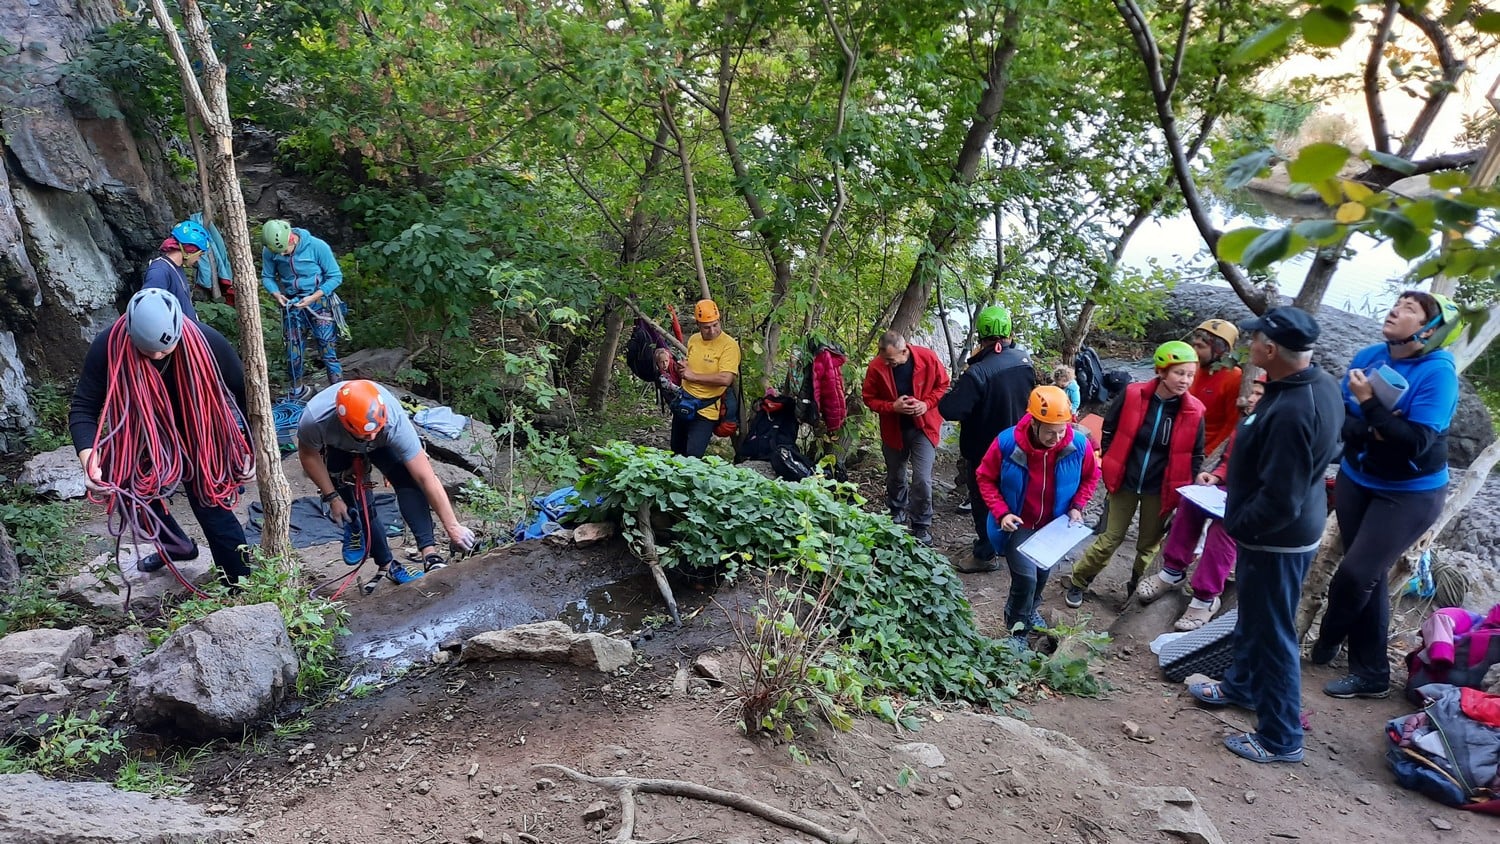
[1290,328]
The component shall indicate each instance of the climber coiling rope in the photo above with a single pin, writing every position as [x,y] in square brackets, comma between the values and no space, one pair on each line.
[141,451]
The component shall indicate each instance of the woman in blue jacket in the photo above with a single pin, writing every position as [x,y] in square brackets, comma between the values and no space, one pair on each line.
[1393,479]
[299,270]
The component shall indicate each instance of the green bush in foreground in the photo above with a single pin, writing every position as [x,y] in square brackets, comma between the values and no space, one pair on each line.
[907,626]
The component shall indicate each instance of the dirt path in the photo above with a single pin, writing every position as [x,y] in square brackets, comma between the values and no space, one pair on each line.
[444,753]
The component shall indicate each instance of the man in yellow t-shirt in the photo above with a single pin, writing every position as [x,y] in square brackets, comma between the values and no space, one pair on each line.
[713,362]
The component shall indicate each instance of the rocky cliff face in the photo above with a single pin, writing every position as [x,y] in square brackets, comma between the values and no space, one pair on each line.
[83,202]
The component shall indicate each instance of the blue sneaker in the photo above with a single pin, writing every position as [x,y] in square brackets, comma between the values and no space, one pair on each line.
[399,573]
[354,544]
[1036,621]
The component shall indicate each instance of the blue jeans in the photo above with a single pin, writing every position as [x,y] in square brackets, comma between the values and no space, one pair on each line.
[1266,672]
[410,499]
[690,437]
[1027,579]
[316,321]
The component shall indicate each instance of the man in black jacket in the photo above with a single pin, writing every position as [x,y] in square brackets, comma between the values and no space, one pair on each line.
[988,398]
[1276,510]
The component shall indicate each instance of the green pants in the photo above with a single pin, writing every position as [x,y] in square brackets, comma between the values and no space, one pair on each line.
[1122,508]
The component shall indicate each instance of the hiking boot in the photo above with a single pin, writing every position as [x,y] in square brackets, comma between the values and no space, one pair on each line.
[369,587]
[1322,654]
[976,565]
[1354,686]
[966,506]
[300,394]
[432,562]
[156,562]
[922,536]
[1155,586]
[1073,595]
[400,574]
[898,516]
[354,544]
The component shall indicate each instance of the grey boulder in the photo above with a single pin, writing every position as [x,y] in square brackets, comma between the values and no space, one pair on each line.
[550,641]
[217,675]
[56,473]
[43,652]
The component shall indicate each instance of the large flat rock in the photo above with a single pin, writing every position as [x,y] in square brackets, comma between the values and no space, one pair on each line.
[105,587]
[36,810]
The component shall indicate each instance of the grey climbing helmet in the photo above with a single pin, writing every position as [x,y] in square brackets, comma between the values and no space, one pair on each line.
[153,319]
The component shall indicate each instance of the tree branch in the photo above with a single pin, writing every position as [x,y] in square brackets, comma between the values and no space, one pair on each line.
[1378,125]
[1181,49]
[1452,70]
[670,122]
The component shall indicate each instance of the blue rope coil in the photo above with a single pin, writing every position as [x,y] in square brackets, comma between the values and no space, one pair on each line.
[287,414]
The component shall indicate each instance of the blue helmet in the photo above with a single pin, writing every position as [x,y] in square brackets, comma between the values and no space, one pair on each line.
[191,233]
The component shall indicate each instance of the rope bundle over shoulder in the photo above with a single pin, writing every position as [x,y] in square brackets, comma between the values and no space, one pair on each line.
[142,452]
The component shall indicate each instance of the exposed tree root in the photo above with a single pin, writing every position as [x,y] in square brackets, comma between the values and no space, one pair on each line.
[627,787]
[652,561]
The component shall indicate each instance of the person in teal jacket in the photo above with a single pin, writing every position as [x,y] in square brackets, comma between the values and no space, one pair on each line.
[299,270]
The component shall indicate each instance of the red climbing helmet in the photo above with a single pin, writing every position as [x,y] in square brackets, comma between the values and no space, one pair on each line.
[360,408]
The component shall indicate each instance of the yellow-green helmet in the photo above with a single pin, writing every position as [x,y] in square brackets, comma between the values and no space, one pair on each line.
[1447,323]
[277,235]
[1172,353]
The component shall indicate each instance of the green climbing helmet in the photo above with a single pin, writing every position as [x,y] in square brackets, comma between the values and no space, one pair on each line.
[993,321]
[277,235]
[1172,353]
[1447,322]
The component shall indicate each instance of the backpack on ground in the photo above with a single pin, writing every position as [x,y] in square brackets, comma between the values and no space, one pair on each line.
[1089,371]
[773,424]
[789,463]
[1449,751]
[1463,660]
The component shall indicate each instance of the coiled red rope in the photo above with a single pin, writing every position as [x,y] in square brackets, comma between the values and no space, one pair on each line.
[144,454]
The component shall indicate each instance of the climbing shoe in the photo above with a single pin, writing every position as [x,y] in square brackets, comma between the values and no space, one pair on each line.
[399,573]
[354,544]
[369,587]
[156,562]
[432,562]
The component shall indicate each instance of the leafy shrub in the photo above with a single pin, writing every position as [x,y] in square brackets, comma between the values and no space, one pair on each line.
[68,743]
[906,626]
[50,401]
[37,529]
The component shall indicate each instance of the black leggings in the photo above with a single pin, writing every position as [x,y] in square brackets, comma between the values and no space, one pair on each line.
[1377,527]
[410,498]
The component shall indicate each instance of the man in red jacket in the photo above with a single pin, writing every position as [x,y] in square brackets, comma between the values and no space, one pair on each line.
[903,385]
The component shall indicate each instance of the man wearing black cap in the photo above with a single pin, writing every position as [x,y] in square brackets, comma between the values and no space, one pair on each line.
[1275,513]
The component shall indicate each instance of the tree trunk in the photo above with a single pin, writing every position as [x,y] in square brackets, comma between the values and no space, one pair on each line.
[631,241]
[1315,285]
[942,231]
[212,105]
[609,348]
[10,569]
[1319,575]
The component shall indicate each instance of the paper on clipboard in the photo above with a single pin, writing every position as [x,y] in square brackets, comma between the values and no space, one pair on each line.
[1210,499]
[1053,542]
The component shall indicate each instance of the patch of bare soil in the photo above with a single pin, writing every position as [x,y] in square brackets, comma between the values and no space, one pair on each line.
[445,753]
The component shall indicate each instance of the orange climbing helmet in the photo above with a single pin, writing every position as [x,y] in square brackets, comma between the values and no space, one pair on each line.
[361,409]
[1050,405]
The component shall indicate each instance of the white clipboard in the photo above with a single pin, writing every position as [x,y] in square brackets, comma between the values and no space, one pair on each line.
[1210,499]
[1053,541]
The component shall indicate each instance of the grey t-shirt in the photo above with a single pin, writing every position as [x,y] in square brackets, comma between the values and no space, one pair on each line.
[320,427]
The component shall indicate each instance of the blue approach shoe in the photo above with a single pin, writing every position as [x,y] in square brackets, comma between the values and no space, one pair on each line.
[1036,621]
[354,544]
[399,573]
